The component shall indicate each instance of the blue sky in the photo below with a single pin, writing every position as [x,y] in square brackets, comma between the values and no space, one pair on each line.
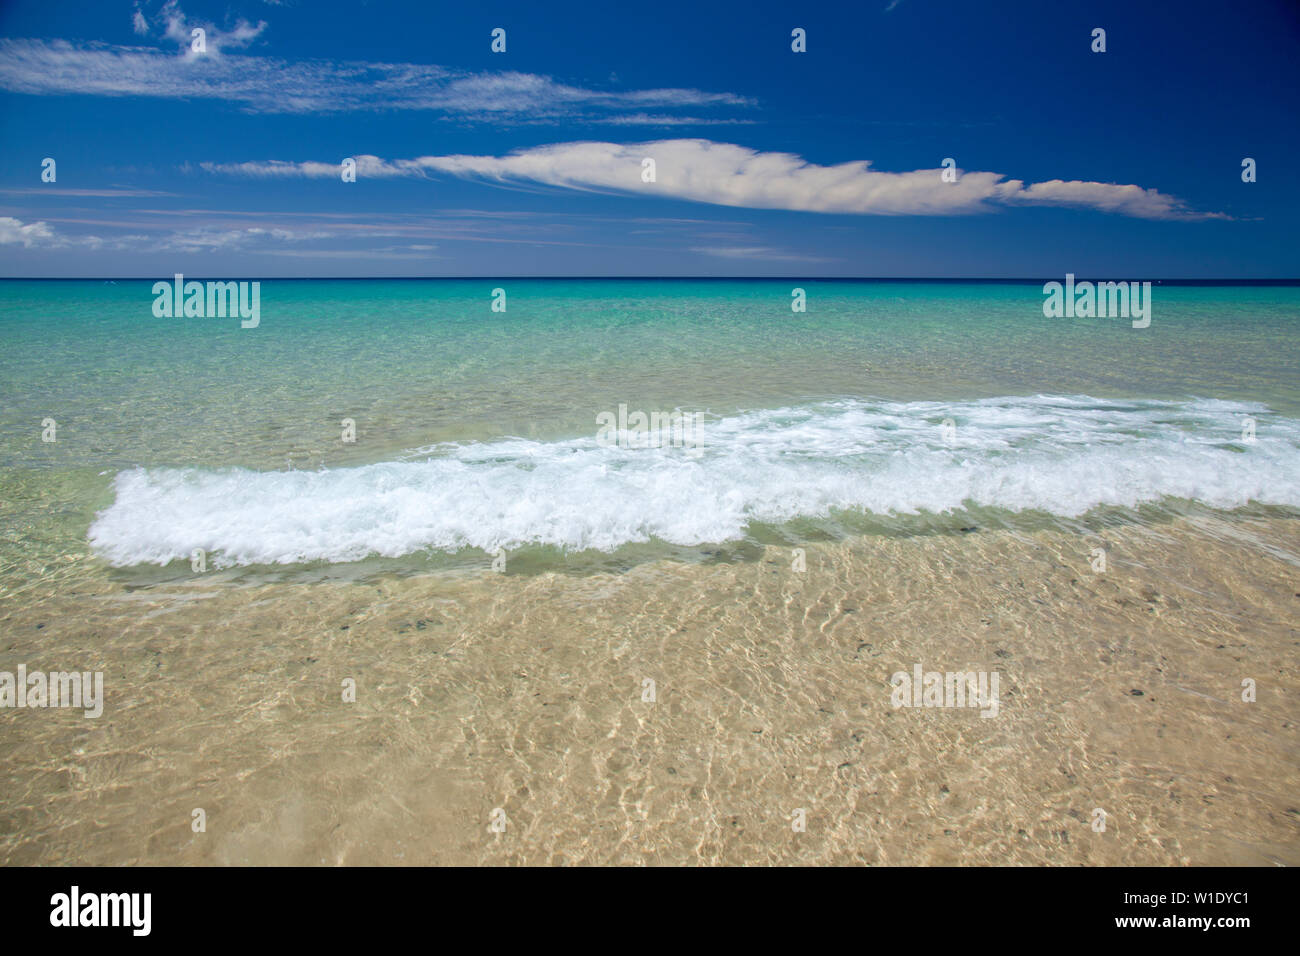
[768,162]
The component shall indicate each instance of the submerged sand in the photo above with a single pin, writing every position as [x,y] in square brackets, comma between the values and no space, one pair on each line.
[1120,690]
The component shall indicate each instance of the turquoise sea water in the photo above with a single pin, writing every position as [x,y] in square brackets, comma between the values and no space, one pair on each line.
[477,430]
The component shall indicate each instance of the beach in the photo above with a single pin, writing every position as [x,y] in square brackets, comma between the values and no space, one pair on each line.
[524,692]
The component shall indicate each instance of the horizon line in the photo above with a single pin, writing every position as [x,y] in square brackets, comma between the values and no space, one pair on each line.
[1174,280]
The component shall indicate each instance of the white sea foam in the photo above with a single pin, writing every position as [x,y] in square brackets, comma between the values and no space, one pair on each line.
[1064,455]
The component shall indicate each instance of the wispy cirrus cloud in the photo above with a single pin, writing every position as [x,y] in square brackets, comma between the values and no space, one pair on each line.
[762,253]
[726,174]
[304,235]
[261,84]
[108,193]
[206,239]
[41,235]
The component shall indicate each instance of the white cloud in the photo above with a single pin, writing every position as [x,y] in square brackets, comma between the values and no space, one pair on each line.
[1108,197]
[368,167]
[729,175]
[15,232]
[179,29]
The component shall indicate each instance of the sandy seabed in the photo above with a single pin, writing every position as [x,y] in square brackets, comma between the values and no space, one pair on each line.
[1119,690]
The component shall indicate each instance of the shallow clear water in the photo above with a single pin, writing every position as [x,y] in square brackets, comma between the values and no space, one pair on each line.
[883,407]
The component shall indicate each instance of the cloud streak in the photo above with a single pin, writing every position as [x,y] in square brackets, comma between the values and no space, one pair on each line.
[296,234]
[726,174]
[260,84]
[756,253]
[41,235]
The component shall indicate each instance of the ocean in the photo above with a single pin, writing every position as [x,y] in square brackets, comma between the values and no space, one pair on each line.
[886,407]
